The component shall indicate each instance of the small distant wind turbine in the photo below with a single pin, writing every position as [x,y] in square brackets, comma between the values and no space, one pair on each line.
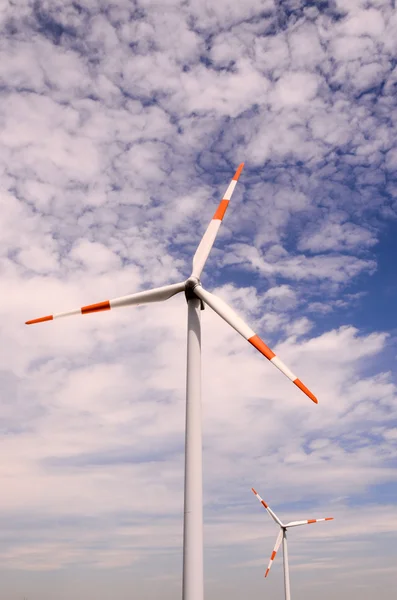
[196,296]
[282,537]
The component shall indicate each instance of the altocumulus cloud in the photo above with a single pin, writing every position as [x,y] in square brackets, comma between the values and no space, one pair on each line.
[121,124]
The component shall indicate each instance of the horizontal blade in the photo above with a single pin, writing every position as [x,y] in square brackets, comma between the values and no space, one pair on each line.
[155,295]
[269,510]
[275,549]
[228,314]
[208,239]
[309,522]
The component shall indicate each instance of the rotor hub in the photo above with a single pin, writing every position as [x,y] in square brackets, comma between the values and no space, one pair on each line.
[192,282]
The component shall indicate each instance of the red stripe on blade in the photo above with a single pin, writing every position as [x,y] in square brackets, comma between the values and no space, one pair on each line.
[256,341]
[329,519]
[312,520]
[305,390]
[264,503]
[41,320]
[267,572]
[95,307]
[220,211]
[255,492]
[238,172]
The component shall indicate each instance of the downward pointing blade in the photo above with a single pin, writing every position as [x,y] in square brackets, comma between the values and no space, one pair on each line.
[308,522]
[208,239]
[228,314]
[275,549]
[149,296]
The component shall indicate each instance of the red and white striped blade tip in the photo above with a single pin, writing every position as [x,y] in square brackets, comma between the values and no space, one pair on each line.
[238,172]
[40,320]
[260,499]
[318,520]
[268,353]
[224,203]
[84,310]
[305,390]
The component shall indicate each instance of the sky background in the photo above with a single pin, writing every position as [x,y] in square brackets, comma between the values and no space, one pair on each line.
[121,124]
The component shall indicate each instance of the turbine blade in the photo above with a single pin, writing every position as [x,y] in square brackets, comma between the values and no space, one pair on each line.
[273,555]
[155,295]
[269,510]
[208,239]
[309,522]
[228,314]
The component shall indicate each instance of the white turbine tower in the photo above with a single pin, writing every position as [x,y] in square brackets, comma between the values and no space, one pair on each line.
[197,296]
[282,537]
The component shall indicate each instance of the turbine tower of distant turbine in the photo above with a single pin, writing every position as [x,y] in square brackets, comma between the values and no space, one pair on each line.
[282,537]
[196,296]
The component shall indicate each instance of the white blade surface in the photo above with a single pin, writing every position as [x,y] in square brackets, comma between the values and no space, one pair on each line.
[208,239]
[267,507]
[275,549]
[228,314]
[155,295]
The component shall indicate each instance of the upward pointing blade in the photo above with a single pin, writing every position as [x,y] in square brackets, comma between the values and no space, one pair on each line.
[228,314]
[208,239]
[155,295]
[269,510]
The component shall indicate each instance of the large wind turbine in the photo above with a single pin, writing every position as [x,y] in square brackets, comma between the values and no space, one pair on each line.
[196,297]
[282,537]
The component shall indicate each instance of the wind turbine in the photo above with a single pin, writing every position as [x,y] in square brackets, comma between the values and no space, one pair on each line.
[282,537]
[197,297]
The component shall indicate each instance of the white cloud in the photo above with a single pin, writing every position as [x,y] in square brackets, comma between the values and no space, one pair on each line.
[337,268]
[364,22]
[391,434]
[294,89]
[338,236]
[95,257]
[120,129]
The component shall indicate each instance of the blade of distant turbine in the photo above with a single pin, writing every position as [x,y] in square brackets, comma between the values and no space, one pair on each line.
[269,510]
[208,239]
[309,522]
[228,314]
[273,555]
[155,295]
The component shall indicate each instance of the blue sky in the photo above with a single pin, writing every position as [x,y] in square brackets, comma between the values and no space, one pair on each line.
[121,126]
